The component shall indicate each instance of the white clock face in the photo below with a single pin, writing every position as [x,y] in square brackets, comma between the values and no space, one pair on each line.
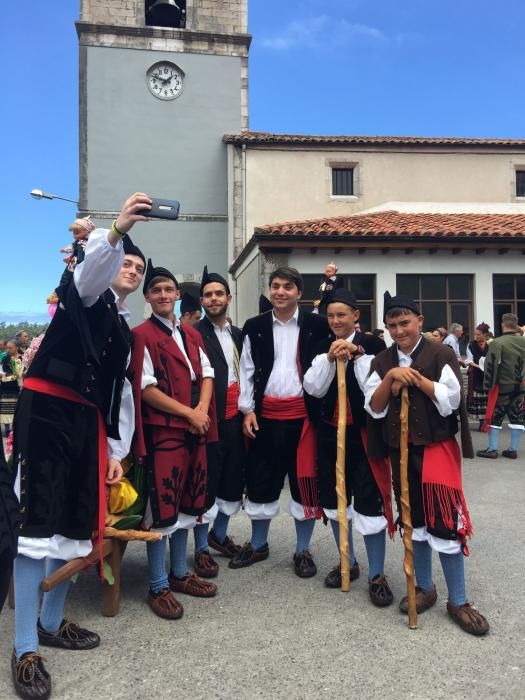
[164,80]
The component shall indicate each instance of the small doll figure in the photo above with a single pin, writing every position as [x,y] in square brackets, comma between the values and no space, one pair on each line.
[331,282]
[80,228]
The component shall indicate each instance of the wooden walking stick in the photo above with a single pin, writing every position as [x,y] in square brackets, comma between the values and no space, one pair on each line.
[340,480]
[408,561]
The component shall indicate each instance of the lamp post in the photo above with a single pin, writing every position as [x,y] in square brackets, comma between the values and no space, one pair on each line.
[38,194]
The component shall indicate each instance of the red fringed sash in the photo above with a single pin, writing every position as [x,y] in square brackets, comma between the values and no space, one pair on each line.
[442,484]
[382,474]
[42,386]
[491,405]
[290,409]
[232,401]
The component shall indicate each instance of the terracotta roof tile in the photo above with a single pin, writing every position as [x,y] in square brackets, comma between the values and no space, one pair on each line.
[393,224]
[262,137]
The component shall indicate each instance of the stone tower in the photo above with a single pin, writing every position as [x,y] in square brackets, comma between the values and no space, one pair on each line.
[161,82]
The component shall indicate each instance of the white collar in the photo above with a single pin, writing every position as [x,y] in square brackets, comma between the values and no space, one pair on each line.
[401,354]
[167,322]
[216,326]
[351,337]
[122,307]
[293,318]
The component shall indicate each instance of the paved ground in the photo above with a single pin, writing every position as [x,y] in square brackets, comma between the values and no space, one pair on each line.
[269,634]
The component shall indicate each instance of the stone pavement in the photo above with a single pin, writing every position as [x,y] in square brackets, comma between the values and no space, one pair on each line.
[269,634]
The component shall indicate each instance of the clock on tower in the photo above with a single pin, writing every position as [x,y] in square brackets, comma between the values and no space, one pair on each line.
[161,82]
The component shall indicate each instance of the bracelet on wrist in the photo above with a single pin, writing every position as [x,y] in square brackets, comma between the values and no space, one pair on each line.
[115,230]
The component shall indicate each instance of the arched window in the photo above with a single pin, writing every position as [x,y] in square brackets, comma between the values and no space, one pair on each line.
[166,13]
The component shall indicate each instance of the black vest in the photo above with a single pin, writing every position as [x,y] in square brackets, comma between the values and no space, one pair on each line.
[326,405]
[312,329]
[218,361]
[86,349]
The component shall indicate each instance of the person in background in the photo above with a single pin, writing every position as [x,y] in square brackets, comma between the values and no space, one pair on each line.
[10,380]
[379,333]
[439,334]
[452,339]
[190,309]
[504,378]
[22,340]
[3,351]
[476,395]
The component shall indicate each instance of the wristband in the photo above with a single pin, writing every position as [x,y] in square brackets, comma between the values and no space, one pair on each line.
[359,351]
[115,230]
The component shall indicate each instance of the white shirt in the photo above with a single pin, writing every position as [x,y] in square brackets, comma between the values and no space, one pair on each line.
[148,375]
[321,374]
[92,277]
[453,341]
[224,336]
[284,381]
[447,390]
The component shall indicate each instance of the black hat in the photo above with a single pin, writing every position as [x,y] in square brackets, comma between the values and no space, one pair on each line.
[208,277]
[152,272]
[189,303]
[400,301]
[131,249]
[264,304]
[345,296]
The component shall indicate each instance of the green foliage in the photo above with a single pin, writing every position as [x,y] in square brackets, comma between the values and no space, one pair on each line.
[9,330]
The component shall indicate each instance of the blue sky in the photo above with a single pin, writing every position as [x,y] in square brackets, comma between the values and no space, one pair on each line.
[410,67]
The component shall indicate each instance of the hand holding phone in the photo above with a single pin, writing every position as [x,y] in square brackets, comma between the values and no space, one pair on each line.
[162,209]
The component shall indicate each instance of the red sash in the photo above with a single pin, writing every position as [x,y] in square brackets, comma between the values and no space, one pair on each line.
[42,386]
[491,405]
[441,481]
[380,468]
[335,419]
[232,401]
[290,409]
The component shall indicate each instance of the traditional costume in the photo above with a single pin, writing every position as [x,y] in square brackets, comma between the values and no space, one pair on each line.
[274,357]
[504,379]
[368,483]
[10,379]
[171,357]
[75,410]
[226,458]
[476,394]
[327,289]
[438,507]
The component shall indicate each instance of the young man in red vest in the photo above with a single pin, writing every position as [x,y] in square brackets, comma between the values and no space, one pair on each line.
[173,388]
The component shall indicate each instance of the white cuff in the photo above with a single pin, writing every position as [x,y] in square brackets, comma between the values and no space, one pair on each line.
[369,524]
[331,513]
[228,507]
[296,510]
[438,544]
[515,426]
[261,511]
[209,516]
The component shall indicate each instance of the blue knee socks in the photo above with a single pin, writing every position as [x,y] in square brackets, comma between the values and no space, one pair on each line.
[220,526]
[494,438]
[158,578]
[28,577]
[260,530]
[178,553]
[200,533]
[454,570]
[303,530]
[375,551]
[515,437]
[335,530]
[423,564]
[52,612]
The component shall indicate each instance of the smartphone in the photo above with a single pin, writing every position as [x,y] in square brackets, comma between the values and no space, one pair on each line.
[162,209]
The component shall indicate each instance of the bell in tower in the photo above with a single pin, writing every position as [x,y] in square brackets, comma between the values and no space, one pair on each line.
[166,13]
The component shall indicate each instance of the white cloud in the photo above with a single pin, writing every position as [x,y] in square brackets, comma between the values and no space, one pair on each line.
[323,30]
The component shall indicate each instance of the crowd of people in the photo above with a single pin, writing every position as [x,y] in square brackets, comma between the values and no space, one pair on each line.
[201,419]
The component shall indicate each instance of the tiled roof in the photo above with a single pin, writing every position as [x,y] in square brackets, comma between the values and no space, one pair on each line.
[392,225]
[262,137]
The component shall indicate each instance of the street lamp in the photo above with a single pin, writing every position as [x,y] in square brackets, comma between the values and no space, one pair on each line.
[38,194]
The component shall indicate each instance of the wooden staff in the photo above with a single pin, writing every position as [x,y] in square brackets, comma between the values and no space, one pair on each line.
[408,561]
[340,479]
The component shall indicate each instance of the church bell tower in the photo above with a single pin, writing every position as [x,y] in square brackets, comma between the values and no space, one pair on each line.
[161,82]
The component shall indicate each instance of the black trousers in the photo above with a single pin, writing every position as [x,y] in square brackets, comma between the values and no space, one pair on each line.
[361,487]
[57,441]
[271,456]
[226,463]
[415,492]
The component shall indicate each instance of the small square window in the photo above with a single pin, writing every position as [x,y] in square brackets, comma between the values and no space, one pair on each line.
[520,183]
[343,181]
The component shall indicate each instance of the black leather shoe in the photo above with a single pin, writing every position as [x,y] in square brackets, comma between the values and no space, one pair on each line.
[248,556]
[304,565]
[333,579]
[510,454]
[69,636]
[227,547]
[488,454]
[30,678]
[380,592]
